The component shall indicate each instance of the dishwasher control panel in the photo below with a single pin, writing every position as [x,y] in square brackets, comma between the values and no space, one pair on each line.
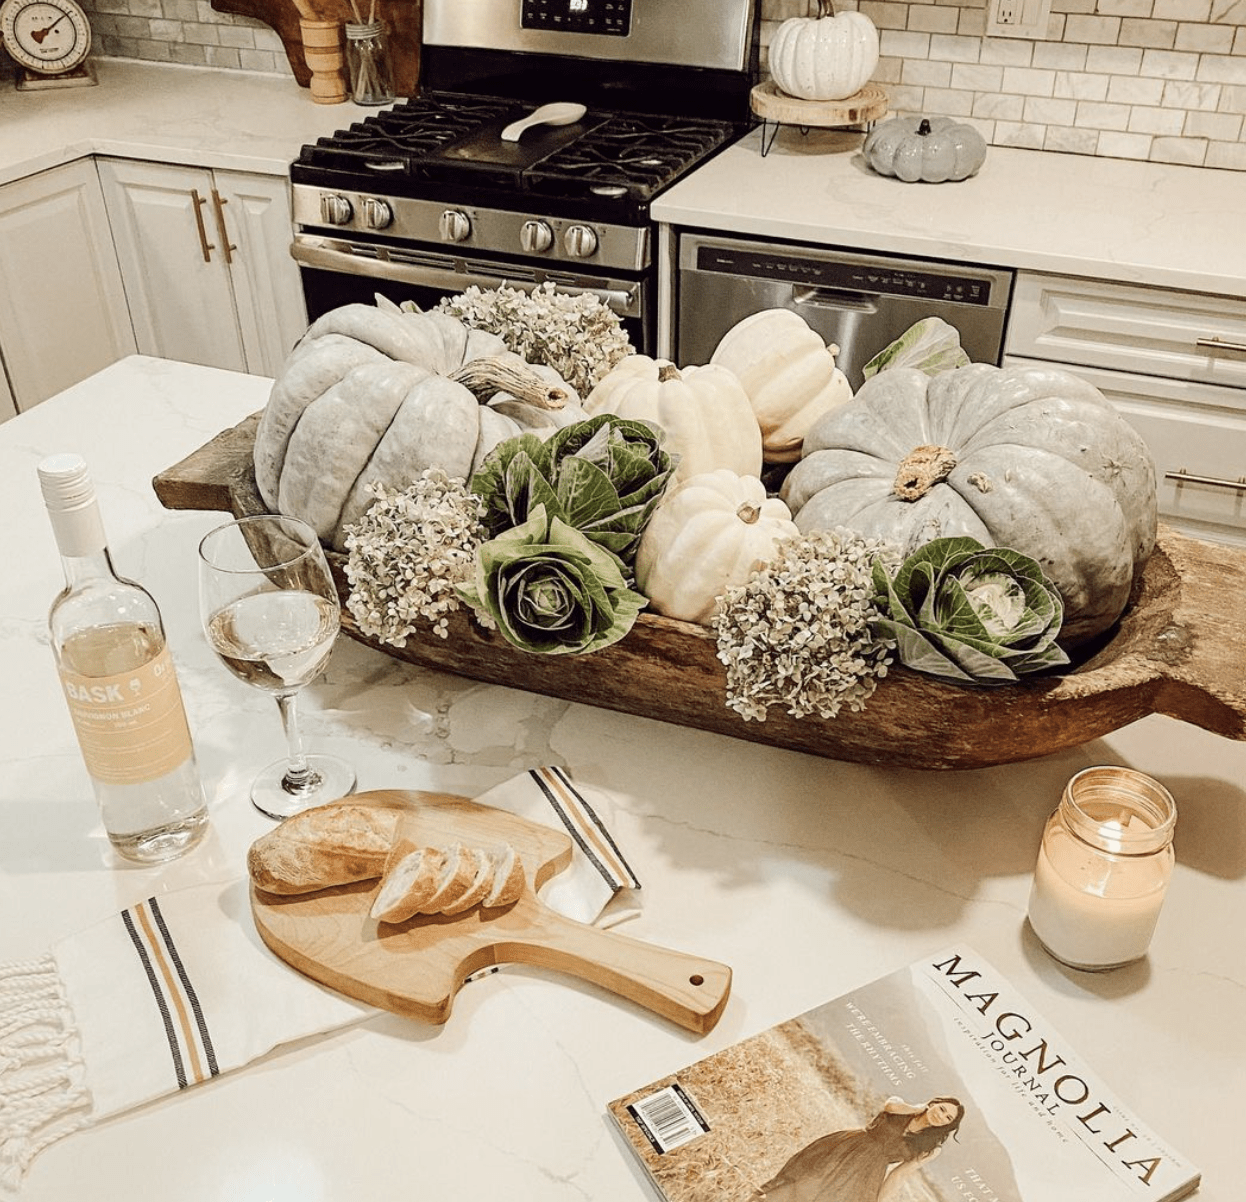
[847,275]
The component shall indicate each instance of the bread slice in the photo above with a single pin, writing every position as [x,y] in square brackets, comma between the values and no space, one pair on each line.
[479,889]
[411,877]
[509,878]
[329,845]
[455,879]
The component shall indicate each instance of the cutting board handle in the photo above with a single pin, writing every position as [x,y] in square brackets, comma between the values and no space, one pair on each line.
[686,989]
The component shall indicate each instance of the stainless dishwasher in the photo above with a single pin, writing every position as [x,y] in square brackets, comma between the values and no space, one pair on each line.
[861,302]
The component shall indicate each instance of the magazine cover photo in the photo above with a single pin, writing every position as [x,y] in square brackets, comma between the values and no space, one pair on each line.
[934,1084]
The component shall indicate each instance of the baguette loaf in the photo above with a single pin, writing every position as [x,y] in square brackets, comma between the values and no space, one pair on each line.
[329,845]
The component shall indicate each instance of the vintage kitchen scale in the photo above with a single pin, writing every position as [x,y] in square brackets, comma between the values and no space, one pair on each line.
[415,968]
[49,40]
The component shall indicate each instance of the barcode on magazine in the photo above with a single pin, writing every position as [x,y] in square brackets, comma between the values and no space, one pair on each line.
[669,1118]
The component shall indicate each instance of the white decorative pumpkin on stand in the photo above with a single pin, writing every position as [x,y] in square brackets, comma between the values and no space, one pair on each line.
[827,57]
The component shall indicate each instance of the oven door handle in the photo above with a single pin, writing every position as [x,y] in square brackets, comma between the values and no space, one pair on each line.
[319,253]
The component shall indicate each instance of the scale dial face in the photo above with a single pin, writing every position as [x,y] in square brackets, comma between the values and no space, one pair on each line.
[45,36]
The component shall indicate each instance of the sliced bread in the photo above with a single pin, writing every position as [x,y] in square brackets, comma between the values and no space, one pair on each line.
[411,877]
[509,878]
[456,877]
[479,889]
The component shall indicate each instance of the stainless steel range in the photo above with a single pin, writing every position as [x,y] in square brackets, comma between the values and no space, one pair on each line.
[440,192]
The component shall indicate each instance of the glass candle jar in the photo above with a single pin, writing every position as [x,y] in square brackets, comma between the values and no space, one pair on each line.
[367,64]
[1103,868]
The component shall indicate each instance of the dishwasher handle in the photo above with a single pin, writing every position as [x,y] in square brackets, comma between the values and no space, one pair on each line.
[835,298]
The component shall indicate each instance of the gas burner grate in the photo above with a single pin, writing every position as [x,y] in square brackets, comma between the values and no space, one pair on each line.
[396,139]
[630,154]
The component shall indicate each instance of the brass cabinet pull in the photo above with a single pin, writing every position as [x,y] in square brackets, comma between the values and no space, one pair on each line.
[227,246]
[204,244]
[1183,477]
[1221,344]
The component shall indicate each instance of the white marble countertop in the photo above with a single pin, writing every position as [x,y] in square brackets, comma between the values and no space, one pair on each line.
[1111,219]
[169,114]
[807,876]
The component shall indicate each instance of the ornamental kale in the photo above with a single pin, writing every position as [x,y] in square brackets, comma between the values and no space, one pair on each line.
[960,610]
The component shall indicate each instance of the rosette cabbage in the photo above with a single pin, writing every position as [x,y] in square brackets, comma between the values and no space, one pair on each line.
[603,477]
[552,590]
[960,610]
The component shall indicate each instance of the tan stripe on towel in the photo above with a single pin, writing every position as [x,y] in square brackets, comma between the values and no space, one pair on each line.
[588,828]
[156,948]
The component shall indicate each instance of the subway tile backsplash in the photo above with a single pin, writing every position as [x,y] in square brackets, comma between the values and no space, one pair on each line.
[1139,79]
[1163,80]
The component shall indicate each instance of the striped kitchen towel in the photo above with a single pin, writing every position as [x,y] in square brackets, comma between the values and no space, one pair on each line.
[179,988]
[599,886]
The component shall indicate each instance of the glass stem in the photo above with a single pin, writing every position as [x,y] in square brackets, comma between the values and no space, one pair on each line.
[300,776]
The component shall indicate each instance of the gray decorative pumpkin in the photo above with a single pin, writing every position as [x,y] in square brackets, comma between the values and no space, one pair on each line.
[379,395]
[1035,459]
[929,150]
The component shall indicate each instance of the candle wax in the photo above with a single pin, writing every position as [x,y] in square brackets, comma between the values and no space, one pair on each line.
[1092,911]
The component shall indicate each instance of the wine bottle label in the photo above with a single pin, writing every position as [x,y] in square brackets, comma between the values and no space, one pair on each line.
[132,727]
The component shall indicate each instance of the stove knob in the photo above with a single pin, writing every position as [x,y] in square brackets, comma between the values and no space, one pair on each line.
[335,209]
[580,241]
[455,226]
[536,237]
[376,213]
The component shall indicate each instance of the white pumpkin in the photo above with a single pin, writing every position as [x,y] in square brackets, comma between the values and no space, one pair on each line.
[826,57]
[789,374]
[703,411]
[713,532]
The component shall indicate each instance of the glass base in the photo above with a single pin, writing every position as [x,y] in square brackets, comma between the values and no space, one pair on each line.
[1090,967]
[331,778]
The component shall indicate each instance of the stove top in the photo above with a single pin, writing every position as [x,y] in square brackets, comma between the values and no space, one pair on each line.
[448,146]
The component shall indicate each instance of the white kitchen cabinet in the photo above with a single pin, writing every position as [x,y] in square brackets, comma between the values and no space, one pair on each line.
[205,259]
[62,305]
[1173,363]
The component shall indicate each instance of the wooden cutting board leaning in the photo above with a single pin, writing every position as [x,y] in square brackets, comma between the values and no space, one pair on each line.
[415,968]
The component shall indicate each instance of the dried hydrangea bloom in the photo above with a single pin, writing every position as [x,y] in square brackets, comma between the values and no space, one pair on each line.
[798,634]
[408,553]
[578,336]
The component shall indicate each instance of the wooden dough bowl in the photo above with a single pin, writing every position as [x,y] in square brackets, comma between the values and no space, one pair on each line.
[1179,649]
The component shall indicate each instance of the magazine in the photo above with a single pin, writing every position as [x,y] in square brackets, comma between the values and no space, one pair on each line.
[938,1083]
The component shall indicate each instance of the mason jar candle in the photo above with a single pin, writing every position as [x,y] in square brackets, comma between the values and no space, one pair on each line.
[1103,868]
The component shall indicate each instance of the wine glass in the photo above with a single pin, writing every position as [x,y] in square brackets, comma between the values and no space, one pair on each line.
[271,613]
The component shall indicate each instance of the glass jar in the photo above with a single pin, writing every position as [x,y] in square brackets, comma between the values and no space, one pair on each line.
[367,64]
[1103,868]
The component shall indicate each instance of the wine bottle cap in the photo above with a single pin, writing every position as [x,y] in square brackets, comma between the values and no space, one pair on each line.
[70,499]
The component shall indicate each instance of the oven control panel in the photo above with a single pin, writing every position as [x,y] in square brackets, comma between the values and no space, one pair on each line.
[579,16]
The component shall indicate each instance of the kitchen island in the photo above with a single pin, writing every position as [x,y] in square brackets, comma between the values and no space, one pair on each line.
[807,876]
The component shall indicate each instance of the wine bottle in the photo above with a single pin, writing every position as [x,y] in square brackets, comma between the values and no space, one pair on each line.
[119,683]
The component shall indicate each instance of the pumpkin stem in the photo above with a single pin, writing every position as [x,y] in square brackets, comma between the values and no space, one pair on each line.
[924,128]
[486,377]
[826,8]
[748,513]
[668,371]
[920,470]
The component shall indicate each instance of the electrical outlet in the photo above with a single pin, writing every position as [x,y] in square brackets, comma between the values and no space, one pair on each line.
[1017,18]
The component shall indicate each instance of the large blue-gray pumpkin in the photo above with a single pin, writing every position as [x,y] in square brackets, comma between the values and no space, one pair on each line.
[1030,458]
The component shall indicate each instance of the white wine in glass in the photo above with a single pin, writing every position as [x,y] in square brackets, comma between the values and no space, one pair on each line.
[271,613]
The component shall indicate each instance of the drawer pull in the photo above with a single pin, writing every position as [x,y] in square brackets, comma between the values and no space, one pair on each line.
[1221,344]
[1183,477]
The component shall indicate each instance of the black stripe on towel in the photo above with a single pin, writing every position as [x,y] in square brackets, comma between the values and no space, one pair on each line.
[191,996]
[573,831]
[170,1034]
[597,822]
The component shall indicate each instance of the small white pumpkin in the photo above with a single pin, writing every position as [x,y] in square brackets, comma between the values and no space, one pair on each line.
[703,411]
[789,374]
[826,57]
[714,531]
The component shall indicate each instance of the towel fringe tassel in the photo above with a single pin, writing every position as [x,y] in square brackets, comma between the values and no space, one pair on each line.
[42,1095]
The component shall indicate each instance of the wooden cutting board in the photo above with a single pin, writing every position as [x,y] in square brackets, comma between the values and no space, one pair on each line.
[416,968]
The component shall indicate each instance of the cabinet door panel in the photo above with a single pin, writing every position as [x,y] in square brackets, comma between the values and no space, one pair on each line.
[62,306]
[1181,334]
[181,303]
[1196,434]
[268,291]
